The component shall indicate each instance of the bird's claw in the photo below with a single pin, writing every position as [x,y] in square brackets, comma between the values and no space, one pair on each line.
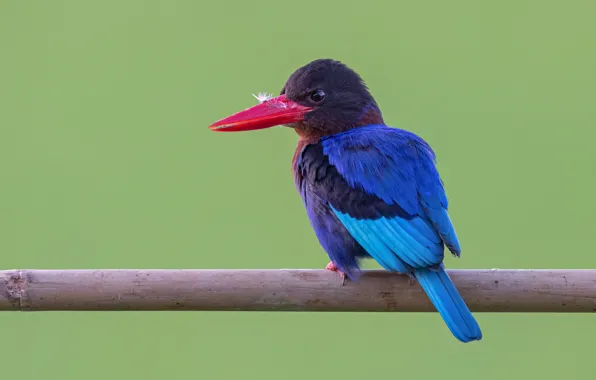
[332,267]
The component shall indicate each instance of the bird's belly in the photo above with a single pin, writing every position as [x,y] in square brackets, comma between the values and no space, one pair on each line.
[335,239]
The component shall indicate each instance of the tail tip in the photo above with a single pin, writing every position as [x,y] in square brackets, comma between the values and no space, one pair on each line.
[471,337]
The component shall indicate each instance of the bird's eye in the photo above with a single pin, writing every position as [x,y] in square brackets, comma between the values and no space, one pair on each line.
[317,96]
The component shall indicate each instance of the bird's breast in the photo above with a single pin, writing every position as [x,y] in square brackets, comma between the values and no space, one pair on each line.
[296,161]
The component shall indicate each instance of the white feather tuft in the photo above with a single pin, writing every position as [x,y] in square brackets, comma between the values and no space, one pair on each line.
[263,96]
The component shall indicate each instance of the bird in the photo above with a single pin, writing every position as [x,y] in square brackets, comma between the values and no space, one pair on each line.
[370,190]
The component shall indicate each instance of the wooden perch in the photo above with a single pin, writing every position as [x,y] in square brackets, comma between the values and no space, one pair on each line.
[484,290]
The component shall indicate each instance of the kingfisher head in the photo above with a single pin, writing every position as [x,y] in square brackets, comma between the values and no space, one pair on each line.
[319,99]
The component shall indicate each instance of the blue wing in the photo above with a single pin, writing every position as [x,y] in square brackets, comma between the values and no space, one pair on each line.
[398,168]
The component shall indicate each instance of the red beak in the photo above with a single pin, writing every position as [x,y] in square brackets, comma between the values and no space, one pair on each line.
[272,112]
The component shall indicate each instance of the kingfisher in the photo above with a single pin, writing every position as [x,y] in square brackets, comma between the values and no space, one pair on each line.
[371,191]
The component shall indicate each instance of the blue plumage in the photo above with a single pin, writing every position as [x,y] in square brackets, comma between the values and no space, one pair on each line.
[449,304]
[374,191]
[370,191]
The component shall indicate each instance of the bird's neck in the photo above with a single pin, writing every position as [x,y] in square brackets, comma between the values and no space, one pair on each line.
[370,114]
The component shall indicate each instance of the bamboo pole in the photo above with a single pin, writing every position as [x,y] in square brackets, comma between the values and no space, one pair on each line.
[485,290]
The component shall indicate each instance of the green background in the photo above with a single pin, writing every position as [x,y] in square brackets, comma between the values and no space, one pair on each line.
[106,162]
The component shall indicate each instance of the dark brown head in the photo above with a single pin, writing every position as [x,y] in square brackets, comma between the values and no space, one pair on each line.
[322,98]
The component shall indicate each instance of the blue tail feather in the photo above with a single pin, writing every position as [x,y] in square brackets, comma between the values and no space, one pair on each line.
[449,304]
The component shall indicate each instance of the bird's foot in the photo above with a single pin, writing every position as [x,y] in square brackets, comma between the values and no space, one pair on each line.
[332,267]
